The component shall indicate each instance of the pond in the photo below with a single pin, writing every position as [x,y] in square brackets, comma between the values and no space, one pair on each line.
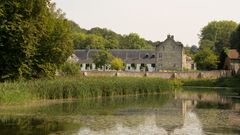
[182,112]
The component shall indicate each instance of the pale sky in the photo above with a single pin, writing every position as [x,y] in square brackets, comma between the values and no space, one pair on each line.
[151,19]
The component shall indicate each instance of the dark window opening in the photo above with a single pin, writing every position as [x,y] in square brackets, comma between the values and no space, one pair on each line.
[192,66]
[146,56]
[153,65]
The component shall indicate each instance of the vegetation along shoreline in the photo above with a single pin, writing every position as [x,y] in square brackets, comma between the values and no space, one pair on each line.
[78,87]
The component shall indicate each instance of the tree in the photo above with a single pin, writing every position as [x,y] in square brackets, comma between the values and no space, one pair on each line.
[95,42]
[117,63]
[235,39]
[206,59]
[34,39]
[222,58]
[112,38]
[102,59]
[79,41]
[134,41]
[191,51]
[217,33]
[207,44]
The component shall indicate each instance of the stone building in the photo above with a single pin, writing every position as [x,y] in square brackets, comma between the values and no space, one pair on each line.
[232,61]
[168,55]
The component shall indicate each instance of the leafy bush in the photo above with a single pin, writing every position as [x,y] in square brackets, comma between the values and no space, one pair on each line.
[70,68]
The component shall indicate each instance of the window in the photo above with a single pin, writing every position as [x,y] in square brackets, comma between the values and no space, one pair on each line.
[146,55]
[153,56]
[89,66]
[133,66]
[192,66]
[174,65]
[153,65]
[160,55]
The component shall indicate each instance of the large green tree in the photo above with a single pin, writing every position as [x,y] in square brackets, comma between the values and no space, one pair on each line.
[34,39]
[216,35]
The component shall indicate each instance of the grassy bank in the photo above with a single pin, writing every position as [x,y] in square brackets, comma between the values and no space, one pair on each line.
[21,92]
[222,82]
[80,88]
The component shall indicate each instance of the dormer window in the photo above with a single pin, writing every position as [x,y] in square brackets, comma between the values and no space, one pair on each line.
[146,55]
[153,56]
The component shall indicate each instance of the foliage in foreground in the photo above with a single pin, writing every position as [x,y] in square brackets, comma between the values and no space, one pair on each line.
[80,88]
[35,39]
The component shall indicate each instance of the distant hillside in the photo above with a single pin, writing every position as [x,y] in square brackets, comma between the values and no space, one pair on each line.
[102,38]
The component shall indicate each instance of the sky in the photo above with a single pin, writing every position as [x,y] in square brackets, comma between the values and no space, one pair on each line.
[151,19]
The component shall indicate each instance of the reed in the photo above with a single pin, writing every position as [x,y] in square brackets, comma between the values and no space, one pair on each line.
[81,88]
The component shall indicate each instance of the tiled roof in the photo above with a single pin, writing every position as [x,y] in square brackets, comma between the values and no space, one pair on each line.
[130,55]
[233,54]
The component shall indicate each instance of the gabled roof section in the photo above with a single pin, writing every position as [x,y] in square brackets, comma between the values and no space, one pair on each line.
[233,54]
[170,37]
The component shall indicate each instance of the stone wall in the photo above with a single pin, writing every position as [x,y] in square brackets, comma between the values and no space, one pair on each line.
[166,75]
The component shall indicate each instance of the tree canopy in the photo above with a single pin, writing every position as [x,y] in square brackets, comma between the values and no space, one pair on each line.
[206,59]
[102,38]
[102,59]
[35,39]
[217,34]
[215,38]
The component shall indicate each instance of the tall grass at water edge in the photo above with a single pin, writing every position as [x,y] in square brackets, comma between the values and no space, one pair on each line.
[79,88]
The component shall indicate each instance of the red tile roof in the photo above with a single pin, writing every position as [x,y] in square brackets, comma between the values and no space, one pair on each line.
[233,54]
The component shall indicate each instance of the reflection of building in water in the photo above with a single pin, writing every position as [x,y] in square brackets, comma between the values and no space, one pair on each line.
[213,97]
[191,100]
[188,106]
[188,114]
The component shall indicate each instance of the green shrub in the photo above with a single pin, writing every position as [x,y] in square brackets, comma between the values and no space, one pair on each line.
[70,68]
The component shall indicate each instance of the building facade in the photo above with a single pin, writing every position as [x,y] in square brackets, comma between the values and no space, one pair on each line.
[232,61]
[167,55]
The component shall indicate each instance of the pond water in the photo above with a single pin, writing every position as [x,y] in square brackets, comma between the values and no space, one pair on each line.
[182,112]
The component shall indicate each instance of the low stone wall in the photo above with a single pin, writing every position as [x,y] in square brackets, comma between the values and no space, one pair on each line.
[166,75]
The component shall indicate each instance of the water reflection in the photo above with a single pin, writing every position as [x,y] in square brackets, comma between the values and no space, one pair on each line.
[153,124]
[191,126]
[181,113]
